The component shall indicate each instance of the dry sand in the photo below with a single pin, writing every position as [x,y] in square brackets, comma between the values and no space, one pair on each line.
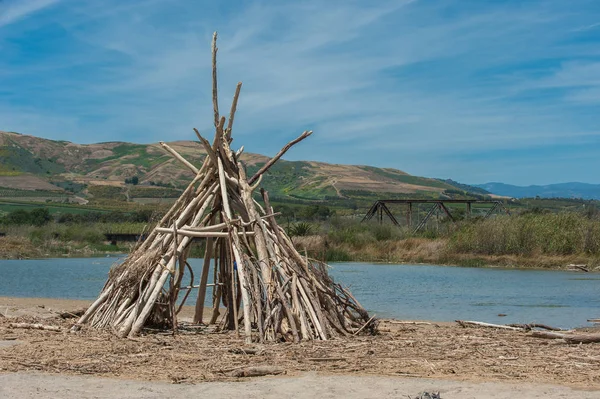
[403,360]
[307,385]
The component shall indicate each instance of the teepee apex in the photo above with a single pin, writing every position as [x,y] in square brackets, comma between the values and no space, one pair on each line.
[259,277]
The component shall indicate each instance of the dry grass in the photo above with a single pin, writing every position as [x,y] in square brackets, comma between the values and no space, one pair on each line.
[432,251]
[18,248]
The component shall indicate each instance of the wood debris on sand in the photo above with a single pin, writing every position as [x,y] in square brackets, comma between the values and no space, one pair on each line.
[554,333]
[269,290]
[438,350]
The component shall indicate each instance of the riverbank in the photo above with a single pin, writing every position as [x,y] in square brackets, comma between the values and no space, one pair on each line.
[433,251]
[432,354]
[12,247]
[411,250]
[530,240]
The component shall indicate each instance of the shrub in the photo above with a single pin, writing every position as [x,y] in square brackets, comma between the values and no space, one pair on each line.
[337,255]
[301,229]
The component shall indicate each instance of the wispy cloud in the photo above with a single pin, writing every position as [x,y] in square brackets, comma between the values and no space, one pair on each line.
[12,11]
[588,27]
[416,85]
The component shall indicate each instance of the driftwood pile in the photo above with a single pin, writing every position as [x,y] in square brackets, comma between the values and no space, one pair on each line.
[569,336]
[259,277]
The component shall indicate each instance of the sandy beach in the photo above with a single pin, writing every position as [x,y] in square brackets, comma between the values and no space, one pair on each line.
[404,359]
[306,385]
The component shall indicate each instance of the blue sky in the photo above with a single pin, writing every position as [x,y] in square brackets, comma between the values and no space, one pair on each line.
[471,90]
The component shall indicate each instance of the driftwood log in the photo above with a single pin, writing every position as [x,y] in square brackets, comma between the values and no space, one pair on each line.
[569,338]
[269,290]
[465,323]
[531,326]
[513,327]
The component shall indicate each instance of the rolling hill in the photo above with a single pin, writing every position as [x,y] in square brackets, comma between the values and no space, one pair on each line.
[33,164]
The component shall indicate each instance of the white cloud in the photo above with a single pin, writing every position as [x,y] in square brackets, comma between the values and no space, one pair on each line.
[12,11]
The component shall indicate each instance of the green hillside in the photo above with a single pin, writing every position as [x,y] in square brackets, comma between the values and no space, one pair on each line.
[37,168]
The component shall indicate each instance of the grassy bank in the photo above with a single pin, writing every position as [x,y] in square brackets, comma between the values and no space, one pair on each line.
[23,248]
[529,240]
[537,240]
[56,240]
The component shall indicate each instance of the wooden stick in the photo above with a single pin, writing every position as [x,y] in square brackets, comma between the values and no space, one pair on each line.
[234,298]
[175,281]
[179,157]
[233,109]
[202,234]
[35,326]
[297,308]
[94,306]
[288,312]
[214,79]
[218,286]
[279,155]
[255,185]
[210,153]
[308,304]
[366,324]
[259,238]
[240,264]
[258,288]
[199,310]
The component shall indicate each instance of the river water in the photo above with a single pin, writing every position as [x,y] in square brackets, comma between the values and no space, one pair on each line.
[415,292]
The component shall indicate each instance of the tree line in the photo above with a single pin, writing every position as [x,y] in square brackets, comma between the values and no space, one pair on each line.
[42,216]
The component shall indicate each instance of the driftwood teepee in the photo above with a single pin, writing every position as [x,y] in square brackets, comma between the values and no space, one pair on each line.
[283,295]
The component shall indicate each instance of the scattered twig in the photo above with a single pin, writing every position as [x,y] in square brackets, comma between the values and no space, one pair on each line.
[256,371]
[34,326]
[366,324]
[242,351]
[71,315]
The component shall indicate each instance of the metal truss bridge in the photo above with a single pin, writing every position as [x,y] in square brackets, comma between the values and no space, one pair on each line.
[379,208]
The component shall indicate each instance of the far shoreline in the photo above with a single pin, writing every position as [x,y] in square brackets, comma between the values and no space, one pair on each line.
[466,261]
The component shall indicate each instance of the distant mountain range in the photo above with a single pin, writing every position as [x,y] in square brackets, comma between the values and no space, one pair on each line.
[560,190]
[36,167]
